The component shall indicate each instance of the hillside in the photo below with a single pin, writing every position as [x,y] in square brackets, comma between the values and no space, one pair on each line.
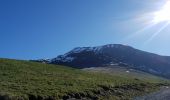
[115,54]
[125,72]
[25,80]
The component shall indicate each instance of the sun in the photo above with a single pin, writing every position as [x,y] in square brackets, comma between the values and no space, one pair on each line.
[163,15]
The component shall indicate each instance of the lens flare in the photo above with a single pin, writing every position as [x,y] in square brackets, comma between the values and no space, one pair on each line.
[163,14]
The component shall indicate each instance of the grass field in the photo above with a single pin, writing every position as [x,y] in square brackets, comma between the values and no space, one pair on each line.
[36,81]
[126,72]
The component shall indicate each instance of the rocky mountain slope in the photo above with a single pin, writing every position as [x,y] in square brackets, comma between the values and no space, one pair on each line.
[115,54]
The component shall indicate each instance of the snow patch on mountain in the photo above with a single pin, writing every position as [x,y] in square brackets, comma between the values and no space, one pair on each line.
[81,49]
[63,58]
[97,50]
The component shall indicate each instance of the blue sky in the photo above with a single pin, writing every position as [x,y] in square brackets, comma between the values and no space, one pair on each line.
[33,29]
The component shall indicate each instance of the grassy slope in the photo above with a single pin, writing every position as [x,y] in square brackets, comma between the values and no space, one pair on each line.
[30,80]
[126,72]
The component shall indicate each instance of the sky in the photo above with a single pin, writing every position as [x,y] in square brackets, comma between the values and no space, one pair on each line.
[34,29]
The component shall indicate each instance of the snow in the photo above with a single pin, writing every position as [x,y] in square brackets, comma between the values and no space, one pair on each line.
[113,64]
[68,58]
[81,49]
[78,49]
[110,45]
[96,49]
[63,58]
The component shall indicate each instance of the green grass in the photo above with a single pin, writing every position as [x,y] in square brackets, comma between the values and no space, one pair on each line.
[31,80]
[122,71]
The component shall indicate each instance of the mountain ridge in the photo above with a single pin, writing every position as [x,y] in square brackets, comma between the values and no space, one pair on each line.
[111,54]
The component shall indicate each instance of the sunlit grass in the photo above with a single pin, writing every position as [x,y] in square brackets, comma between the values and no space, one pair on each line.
[24,78]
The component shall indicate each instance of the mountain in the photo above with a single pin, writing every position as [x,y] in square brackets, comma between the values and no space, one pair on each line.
[42,60]
[115,54]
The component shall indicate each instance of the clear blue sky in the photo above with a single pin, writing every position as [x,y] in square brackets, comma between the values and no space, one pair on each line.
[32,29]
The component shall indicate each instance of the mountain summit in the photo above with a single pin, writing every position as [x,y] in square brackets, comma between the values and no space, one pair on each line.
[90,56]
[115,54]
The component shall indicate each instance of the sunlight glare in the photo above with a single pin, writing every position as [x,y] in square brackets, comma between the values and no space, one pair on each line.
[163,14]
